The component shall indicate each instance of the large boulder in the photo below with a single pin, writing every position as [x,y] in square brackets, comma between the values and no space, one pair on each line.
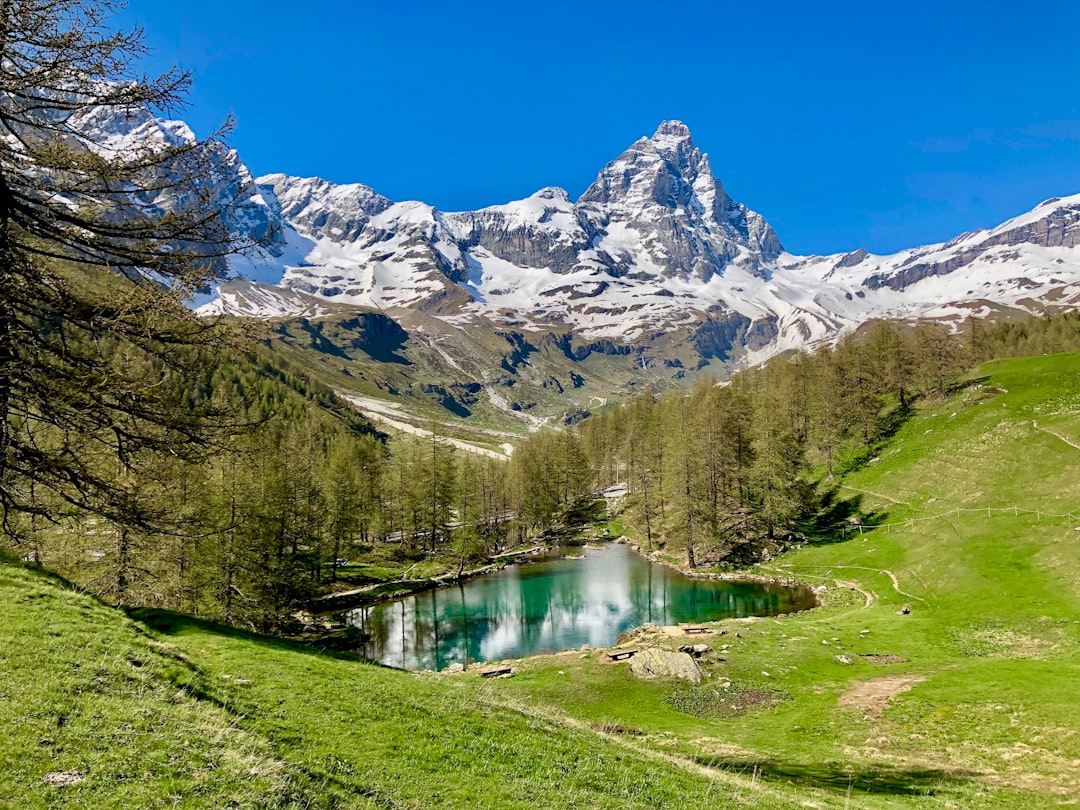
[657,663]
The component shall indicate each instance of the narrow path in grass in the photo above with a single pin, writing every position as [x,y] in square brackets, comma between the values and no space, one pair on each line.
[869,596]
[875,494]
[885,571]
[758,789]
[1055,434]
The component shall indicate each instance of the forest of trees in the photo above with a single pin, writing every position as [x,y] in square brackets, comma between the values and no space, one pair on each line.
[299,485]
[717,473]
[158,459]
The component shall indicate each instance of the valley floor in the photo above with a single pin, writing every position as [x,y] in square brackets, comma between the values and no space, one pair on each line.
[941,670]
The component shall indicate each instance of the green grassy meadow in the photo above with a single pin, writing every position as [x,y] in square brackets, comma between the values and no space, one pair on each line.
[984,670]
[970,698]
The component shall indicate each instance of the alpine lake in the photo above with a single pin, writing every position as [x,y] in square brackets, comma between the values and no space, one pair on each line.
[552,603]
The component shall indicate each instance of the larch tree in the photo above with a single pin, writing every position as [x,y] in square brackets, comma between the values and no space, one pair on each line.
[100,238]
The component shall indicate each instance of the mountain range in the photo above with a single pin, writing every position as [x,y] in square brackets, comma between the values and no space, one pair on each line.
[653,273]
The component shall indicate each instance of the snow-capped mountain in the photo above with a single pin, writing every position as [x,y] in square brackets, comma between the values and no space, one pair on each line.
[214,177]
[654,246]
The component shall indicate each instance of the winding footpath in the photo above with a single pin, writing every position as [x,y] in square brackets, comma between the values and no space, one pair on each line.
[1069,442]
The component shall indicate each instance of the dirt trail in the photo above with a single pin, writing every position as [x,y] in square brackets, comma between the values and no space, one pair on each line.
[876,495]
[874,695]
[1055,434]
[384,412]
[869,596]
[888,573]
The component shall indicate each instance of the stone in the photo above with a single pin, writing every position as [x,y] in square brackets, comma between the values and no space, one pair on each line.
[455,668]
[657,663]
[63,778]
[843,659]
[696,650]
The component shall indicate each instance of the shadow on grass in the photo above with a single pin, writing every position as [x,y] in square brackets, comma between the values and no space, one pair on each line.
[878,780]
[836,517]
[168,622]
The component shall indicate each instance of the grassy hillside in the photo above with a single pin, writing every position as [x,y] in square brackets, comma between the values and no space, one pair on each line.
[160,710]
[969,699]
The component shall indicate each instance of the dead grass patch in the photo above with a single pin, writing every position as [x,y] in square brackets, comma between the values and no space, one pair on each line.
[874,695]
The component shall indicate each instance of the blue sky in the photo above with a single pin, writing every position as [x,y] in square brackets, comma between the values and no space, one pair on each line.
[876,125]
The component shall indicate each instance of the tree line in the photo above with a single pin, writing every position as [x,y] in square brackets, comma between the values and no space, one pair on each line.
[728,471]
[159,459]
[297,485]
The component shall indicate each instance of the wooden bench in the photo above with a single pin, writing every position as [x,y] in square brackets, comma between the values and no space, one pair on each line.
[495,673]
[620,655]
[692,631]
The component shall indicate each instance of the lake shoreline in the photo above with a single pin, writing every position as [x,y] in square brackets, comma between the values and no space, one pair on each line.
[599,596]
[333,603]
[726,576]
[334,606]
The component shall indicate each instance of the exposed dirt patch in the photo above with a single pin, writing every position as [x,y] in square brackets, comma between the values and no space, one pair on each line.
[63,778]
[874,695]
[882,659]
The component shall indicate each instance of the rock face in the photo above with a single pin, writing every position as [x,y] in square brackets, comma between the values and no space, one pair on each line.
[224,182]
[654,256]
[1054,224]
[654,248]
[322,209]
[663,189]
[658,663]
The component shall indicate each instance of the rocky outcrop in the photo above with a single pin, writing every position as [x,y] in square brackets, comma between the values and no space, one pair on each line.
[319,208]
[1059,227]
[658,663]
[720,335]
[543,230]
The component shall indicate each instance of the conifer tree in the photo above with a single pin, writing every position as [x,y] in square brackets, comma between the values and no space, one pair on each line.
[73,200]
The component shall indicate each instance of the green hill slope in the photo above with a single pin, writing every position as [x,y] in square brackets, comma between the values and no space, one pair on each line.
[100,710]
[968,699]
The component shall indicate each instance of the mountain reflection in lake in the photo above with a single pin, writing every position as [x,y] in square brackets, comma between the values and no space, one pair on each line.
[555,605]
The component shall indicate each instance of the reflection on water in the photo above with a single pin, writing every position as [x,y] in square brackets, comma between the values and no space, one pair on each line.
[555,605]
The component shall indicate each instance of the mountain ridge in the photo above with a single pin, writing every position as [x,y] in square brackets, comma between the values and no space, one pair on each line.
[653,273]
[654,244]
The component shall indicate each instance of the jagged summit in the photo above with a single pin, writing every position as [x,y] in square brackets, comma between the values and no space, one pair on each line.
[672,138]
[672,129]
[654,248]
[666,181]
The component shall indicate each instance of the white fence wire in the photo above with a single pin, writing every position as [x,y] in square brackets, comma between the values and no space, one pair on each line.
[956,513]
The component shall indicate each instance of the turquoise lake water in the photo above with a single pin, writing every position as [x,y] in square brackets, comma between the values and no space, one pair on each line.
[553,605]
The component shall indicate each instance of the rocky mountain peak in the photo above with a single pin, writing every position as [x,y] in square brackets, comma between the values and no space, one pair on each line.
[664,190]
[660,170]
[673,138]
[673,129]
[318,208]
[552,193]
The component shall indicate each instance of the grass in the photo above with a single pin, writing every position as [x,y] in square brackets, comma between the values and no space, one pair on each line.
[158,709]
[988,656]
[967,700]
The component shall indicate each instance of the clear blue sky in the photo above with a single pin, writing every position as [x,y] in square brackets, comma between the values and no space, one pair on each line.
[846,124]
